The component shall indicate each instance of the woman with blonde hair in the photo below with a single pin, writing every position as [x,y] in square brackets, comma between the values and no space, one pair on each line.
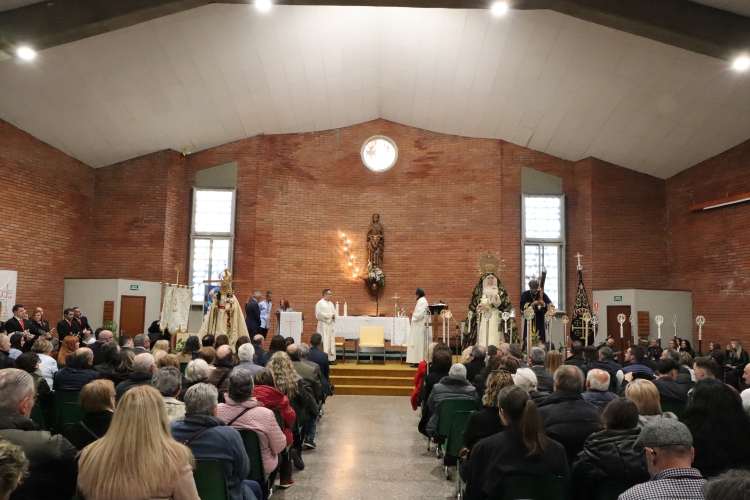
[553,362]
[161,345]
[150,463]
[47,364]
[486,422]
[166,360]
[737,358]
[69,346]
[645,395]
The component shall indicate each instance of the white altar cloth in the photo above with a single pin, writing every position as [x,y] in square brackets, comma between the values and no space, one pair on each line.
[395,329]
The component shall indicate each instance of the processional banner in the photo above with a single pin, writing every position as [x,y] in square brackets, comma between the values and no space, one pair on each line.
[8,284]
[175,308]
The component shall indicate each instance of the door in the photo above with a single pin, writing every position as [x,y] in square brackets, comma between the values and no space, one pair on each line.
[132,315]
[613,329]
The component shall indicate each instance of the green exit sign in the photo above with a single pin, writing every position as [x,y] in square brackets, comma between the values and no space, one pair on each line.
[134,287]
[618,298]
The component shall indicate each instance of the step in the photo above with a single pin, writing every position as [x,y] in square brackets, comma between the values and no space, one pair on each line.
[372,371]
[360,380]
[364,390]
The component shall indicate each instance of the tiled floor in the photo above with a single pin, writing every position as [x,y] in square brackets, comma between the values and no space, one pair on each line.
[368,447]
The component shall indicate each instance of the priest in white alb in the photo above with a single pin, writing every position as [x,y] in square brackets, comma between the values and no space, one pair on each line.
[325,312]
[416,349]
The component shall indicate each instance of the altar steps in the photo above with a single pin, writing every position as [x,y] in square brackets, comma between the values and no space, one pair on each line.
[391,379]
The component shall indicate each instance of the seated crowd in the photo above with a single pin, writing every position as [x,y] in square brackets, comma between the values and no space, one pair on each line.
[663,425]
[154,413]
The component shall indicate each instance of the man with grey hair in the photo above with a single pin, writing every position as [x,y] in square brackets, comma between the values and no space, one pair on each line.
[536,363]
[503,349]
[668,448]
[143,370]
[5,360]
[53,468]
[476,364]
[168,381]
[142,344]
[525,378]
[78,371]
[454,386]
[208,437]
[246,353]
[252,315]
[597,388]
[569,419]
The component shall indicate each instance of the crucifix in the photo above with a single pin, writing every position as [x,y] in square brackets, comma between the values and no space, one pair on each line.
[290,321]
[578,256]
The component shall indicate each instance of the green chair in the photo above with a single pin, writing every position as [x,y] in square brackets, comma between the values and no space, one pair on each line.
[446,409]
[210,480]
[68,414]
[66,397]
[676,408]
[252,448]
[611,490]
[182,368]
[37,417]
[535,488]
[455,439]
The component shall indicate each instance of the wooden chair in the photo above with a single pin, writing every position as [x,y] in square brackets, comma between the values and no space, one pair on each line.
[341,342]
[371,339]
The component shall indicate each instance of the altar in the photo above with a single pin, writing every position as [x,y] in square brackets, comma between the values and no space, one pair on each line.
[396,329]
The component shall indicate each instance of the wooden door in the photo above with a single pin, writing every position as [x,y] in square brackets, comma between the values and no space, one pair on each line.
[613,329]
[132,315]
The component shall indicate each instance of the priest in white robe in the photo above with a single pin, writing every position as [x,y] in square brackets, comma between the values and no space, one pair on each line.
[417,342]
[325,312]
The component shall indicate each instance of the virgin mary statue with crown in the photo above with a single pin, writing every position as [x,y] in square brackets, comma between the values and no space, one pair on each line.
[488,302]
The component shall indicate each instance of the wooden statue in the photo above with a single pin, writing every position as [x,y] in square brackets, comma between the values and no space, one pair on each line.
[375,241]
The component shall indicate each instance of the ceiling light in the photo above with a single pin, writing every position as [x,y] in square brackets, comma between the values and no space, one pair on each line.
[263,5]
[26,53]
[499,8]
[741,63]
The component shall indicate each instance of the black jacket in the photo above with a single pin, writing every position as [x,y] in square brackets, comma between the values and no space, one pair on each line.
[607,456]
[13,325]
[321,359]
[135,378]
[64,329]
[537,397]
[575,360]
[252,317]
[670,391]
[503,454]
[598,398]
[74,377]
[83,323]
[6,361]
[474,368]
[569,420]
[544,380]
[482,424]
[96,348]
[684,378]
[649,363]
[609,365]
[96,425]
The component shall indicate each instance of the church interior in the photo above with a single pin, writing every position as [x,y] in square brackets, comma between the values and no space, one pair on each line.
[153,143]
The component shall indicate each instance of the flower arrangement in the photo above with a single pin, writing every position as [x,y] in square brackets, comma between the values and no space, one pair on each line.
[375,274]
[178,348]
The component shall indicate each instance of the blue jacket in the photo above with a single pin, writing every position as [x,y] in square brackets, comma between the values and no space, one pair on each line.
[220,443]
[638,368]
[321,359]
[73,378]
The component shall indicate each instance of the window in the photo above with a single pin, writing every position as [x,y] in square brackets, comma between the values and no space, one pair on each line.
[212,238]
[379,153]
[543,240]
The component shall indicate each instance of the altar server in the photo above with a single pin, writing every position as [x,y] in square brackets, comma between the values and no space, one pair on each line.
[417,342]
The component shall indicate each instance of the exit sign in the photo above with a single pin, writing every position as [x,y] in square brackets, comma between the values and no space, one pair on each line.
[134,287]
[618,298]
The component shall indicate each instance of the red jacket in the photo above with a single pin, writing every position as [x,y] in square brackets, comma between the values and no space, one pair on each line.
[273,398]
[421,372]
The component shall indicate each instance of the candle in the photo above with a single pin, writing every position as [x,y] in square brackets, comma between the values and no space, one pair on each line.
[337,308]
[345,312]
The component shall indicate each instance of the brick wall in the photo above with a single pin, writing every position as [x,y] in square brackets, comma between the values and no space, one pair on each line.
[46,229]
[709,251]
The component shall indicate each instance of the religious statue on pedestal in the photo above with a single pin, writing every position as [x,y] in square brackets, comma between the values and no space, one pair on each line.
[488,302]
[375,241]
[225,315]
[539,302]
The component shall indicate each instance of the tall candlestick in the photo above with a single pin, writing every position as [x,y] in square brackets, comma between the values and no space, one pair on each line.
[337,308]
[345,309]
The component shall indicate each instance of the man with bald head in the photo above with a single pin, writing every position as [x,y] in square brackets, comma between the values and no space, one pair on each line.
[597,388]
[102,336]
[144,367]
[78,371]
[222,368]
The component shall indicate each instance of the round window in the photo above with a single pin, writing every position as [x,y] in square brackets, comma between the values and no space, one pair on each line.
[379,153]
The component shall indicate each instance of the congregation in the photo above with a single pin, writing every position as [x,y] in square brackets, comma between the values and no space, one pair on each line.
[663,424]
[72,405]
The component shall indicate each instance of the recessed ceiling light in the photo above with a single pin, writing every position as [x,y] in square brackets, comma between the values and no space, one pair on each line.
[741,63]
[499,8]
[263,5]
[26,53]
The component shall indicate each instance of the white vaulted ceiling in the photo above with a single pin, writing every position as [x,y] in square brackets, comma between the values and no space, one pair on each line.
[224,72]
[741,7]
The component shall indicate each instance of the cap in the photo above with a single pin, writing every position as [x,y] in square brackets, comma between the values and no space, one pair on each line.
[663,432]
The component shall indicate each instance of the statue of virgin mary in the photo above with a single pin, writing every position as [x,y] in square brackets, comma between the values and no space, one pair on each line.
[488,302]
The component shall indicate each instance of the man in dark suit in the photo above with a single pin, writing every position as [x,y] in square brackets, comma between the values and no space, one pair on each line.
[319,357]
[257,342]
[103,336]
[576,351]
[83,322]
[252,312]
[476,365]
[17,323]
[142,344]
[543,377]
[67,326]
[669,390]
